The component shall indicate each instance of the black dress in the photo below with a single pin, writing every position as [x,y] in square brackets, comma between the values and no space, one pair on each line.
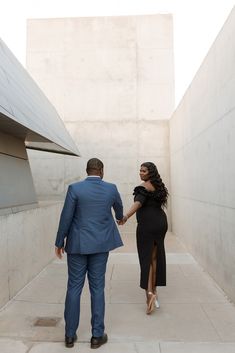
[151,230]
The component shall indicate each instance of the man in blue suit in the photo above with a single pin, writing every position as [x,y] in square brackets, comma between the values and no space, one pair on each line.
[90,232]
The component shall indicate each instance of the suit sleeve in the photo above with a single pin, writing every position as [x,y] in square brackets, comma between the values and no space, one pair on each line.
[117,206]
[66,218]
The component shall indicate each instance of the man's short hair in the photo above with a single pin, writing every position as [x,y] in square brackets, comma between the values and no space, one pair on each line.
[94,164]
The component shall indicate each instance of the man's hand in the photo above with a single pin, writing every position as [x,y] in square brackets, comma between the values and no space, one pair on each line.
[59,252]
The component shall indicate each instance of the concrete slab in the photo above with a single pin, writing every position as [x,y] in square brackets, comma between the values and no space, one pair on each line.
[144,347]
[186,322]
[126,292]
[50,289]
[194,312]
[107,348]
[182,347]
[126,272]
[179,258]
[123,258]
[12,346]
[222,316]
[18,318]
[53,347]
[192,292]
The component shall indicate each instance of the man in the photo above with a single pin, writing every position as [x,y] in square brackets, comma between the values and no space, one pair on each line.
[90,231]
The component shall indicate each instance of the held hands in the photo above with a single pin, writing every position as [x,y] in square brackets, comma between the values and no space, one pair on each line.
[120,222]
[136,205]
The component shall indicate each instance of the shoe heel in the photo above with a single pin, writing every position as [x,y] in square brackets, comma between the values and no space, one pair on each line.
[157,304]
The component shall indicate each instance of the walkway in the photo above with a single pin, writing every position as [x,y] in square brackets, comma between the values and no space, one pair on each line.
[195,315]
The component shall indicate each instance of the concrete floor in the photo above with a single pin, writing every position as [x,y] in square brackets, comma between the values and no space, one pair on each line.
[195,315]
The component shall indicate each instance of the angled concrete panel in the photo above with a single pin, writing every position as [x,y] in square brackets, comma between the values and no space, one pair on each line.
[27,119]
[23,102]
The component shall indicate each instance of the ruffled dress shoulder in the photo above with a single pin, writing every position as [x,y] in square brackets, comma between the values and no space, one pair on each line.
[140,190]
[143,195]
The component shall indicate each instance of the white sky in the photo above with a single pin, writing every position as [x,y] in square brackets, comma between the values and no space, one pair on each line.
[196,25]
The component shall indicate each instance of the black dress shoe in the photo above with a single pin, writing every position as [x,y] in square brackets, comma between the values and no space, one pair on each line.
[69,341]
[96,342]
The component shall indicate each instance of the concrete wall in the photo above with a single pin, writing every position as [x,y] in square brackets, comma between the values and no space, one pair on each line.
[112,81]
[16,184]
[202,148]
[26,246]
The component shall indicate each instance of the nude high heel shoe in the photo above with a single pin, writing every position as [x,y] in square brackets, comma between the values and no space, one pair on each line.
[150,303]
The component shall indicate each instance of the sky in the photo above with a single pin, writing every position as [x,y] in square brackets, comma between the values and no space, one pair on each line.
[196,25]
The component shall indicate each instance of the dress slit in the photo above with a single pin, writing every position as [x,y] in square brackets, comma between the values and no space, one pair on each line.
[145,259]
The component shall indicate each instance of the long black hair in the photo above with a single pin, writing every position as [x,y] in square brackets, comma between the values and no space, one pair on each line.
[156,180]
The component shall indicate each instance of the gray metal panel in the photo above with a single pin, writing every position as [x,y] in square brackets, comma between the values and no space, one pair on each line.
[23,102]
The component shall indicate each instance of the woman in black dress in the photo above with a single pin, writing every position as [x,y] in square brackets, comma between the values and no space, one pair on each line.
[149,200]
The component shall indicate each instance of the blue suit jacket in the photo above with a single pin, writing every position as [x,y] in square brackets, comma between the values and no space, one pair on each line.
[86,220]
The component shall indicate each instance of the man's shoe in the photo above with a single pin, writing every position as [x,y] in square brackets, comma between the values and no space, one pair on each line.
[69,341]
[96,342]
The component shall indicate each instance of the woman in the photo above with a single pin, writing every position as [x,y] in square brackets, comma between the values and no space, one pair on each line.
[149,200]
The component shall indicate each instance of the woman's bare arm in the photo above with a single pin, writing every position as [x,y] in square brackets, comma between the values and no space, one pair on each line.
[136,205]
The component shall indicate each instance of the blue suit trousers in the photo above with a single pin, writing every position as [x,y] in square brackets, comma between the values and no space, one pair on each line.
[94,265]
